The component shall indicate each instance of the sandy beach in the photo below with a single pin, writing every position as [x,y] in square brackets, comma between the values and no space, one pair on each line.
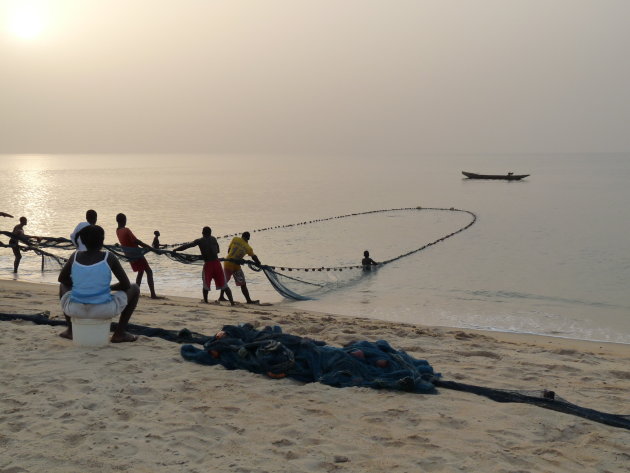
[140,407]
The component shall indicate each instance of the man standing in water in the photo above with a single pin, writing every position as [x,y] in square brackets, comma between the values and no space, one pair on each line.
[239,247]
[90,217]
[18,236]
[156,240]
[212,269]
[367,262]
[140,265]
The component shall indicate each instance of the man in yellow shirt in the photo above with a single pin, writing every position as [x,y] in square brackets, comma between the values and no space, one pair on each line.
[239,247]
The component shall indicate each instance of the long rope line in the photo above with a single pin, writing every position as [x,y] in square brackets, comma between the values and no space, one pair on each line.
[540,398]
[131,254]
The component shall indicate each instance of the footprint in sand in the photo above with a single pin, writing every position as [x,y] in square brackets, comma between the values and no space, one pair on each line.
[282,443]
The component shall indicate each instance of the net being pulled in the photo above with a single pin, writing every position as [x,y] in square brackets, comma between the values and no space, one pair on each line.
[309,282]
[337,262]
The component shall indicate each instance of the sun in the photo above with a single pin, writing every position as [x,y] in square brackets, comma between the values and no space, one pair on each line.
[25,21]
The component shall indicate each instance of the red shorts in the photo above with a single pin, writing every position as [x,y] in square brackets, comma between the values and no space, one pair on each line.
[239,276]
[213,270]
[139,265]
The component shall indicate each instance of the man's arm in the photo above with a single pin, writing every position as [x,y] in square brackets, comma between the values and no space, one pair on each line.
[185,246]
[142,244]
[64,276]
[250,252]
[75,234]
[19,234]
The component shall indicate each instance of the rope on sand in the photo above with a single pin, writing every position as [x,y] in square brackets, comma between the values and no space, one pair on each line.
[544,398]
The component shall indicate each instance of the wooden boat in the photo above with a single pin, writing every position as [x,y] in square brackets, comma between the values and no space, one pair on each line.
[507,177]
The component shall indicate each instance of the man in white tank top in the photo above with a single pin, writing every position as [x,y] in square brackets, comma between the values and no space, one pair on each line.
[91,217]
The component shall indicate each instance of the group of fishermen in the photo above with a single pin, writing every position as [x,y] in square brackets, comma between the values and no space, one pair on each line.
[208,246]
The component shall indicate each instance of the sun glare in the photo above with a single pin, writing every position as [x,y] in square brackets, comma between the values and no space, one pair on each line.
[25,22]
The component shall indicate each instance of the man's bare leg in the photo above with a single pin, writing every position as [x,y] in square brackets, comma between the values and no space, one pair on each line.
[67,333]
[18,258]
[228,292]
[245,292]
[121,335]
[150,283]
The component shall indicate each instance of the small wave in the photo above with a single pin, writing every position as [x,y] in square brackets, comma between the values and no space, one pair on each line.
[485,294]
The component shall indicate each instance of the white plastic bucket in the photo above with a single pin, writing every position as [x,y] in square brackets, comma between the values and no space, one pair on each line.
[90,332]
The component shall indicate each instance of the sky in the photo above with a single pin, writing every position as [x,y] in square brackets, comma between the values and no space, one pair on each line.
[378,77]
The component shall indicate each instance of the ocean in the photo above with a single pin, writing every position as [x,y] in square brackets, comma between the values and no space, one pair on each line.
[547,255]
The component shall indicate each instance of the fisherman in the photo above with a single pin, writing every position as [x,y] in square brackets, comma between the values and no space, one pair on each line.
[14,242]
[75,237]
[85,285]
[367,262]
[212,269]
[140,265]
[156,240]
[239,247]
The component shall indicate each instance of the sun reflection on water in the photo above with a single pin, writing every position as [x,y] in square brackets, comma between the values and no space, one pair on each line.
[33,190]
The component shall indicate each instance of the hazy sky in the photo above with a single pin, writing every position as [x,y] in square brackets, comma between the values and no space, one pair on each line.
[315,76]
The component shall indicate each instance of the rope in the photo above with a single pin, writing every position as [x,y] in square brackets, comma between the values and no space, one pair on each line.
[545,399]
[132,254]
[342,268]
[355,214]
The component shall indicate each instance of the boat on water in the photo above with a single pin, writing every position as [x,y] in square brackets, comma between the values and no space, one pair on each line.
[507,177]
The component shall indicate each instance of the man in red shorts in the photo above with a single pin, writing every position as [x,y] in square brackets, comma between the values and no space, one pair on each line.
[212,268]
[140,265]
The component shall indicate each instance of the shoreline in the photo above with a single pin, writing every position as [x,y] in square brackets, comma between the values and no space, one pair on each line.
[502,334]
[140,407]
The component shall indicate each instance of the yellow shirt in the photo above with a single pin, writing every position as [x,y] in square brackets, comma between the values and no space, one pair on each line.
[237,250]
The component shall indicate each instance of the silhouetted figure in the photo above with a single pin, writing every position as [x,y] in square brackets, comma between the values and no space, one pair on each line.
[75,236]
[239,247]
[156,240]
[85,280]
[212,269]
[141,265]
[3,214]
[367,262]
[14,242]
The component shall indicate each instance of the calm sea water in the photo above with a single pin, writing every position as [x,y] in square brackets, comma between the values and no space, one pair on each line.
[547,255]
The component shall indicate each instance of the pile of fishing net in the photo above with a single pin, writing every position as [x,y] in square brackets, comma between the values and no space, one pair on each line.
[376,365]
[278,355]
[363,364]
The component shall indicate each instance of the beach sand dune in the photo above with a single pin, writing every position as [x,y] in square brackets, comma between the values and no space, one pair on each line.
[140,407]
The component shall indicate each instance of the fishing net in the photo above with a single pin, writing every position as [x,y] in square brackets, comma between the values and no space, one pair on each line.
[418,227]
[542,398]
[50,260]
[309,282]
